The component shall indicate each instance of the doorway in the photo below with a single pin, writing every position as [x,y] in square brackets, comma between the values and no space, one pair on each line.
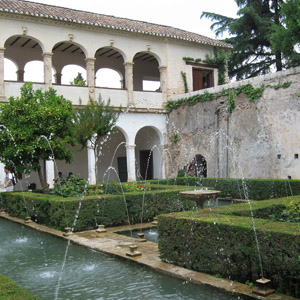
[146,164]
[202,79]
[201,166]
[122,168]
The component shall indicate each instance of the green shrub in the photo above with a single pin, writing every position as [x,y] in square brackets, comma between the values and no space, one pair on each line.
[108,209]
[256,189]
[222,241]
[10,291]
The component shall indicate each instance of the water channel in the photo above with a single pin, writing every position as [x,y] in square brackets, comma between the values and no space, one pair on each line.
[33,260]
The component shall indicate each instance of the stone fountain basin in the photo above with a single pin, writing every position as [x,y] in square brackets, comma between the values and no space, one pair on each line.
[200,196]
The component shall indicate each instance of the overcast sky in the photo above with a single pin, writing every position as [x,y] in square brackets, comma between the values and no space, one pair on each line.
[183,14]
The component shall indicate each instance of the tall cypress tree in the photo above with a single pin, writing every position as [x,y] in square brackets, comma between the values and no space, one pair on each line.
[250,35]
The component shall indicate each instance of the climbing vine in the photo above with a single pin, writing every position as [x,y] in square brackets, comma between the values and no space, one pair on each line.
[218,58]
[186,89]
[230,103]
[252,93]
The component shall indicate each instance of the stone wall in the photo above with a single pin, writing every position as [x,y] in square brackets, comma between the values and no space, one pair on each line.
[260,139]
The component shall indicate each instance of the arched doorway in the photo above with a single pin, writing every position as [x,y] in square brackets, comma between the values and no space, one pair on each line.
[148,154]
[201,166]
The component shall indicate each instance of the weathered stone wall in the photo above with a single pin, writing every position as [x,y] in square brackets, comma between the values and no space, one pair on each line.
[259,139]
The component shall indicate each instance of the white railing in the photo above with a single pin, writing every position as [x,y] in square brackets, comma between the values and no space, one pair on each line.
[148,99]
[118,97]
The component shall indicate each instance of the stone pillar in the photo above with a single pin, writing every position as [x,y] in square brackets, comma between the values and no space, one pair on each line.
[163,149]
[130,155]
[57,78]
[50,173]
[163,83]
[2,83]
[129,82]
[90,76]
[91,165]
[47,56]
[20,75]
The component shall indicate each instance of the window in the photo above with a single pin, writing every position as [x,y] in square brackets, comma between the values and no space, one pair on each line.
[202,79]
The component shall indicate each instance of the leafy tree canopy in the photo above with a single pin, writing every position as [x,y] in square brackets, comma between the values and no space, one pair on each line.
[35,126]
[78,80]
[250,34]
[287,38]
[93,123]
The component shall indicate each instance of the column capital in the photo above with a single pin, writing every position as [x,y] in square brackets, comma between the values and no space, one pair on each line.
[2,49]
[130,146]
[162,68]
[90,59]
[128,63]
[45,54]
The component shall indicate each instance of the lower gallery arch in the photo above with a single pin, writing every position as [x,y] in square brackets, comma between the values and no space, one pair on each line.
[148,154]
[110,161]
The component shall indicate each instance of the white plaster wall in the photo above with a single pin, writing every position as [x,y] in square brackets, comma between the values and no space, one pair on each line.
[176,65]
[148,99]
[117,97]
[12,88]
[77,166]
[131,123]
[73,93]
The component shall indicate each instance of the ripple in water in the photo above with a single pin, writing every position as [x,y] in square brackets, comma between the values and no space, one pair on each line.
[89,268]
[47,274]
[22,240]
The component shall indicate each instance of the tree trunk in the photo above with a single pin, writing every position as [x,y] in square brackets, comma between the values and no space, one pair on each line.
[42,179]
[278,56]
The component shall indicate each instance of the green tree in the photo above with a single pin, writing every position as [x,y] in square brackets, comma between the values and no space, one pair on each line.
[250,35]
[35,126]
[286,38]
[93,122]
[78,80]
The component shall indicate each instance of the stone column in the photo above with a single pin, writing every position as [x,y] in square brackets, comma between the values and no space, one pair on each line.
[163,83]
[129,82]
[57,78]
[2,83]
[47,56]
[50,173]
[20,75]
[130,155]
[91,164]
[163,161]
[90,76]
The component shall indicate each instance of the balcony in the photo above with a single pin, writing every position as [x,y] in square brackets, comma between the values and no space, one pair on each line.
[118,97]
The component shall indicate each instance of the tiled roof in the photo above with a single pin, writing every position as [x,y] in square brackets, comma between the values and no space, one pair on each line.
[81,17]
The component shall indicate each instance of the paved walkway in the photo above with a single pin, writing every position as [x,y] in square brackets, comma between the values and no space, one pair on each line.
[116,244]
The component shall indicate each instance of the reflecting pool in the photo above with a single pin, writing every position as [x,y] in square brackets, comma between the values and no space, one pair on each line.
[34,260]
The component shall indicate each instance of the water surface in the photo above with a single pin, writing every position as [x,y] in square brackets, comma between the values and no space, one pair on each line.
[34,260]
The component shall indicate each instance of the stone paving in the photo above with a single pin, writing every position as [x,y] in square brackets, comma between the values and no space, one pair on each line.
[119,245]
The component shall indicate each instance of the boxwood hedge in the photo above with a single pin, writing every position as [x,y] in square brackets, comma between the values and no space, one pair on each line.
[110,210]
[222,241]
[254,189]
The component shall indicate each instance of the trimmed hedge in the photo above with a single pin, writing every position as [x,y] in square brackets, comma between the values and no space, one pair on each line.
[109,210]
[255,189]
[221,241]
[10,291]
